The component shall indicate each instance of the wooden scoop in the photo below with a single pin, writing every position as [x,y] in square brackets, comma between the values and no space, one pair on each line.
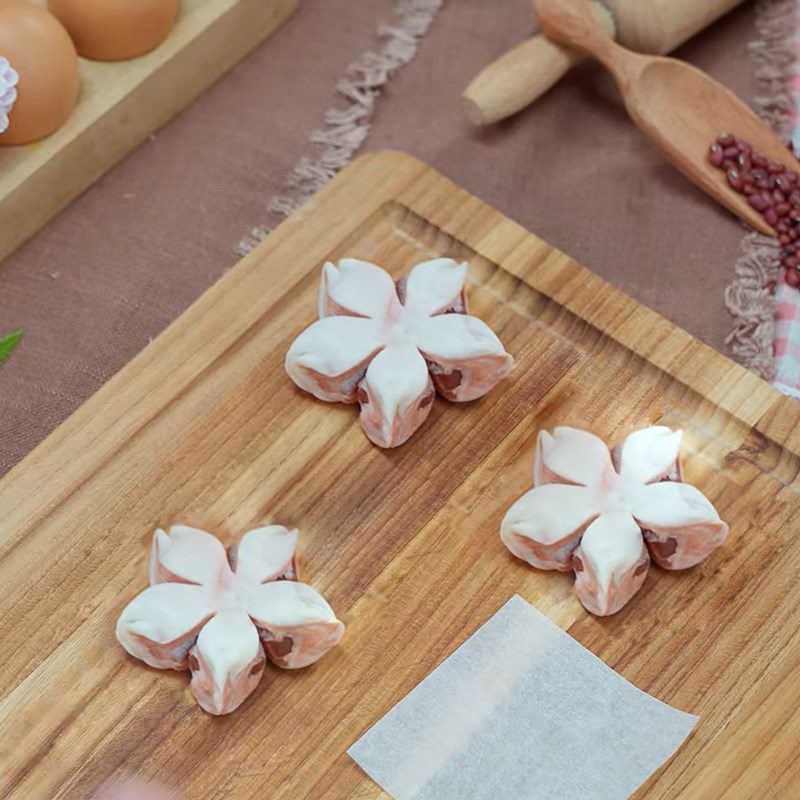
[679,107]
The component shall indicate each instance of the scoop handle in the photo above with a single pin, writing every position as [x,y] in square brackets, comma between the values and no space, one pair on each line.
[572,23]
[524,74]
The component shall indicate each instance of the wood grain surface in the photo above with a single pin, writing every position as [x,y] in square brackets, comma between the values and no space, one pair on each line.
[122,103]
[204,427]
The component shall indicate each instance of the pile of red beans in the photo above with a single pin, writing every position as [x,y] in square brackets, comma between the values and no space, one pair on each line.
[770,188]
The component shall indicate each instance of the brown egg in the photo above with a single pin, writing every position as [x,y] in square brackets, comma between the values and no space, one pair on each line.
[36,50]
[113,30]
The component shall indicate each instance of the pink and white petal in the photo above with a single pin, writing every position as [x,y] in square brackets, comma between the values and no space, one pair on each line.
[610,564]
[186,555]
[226,662]
[546,524]
[296,625]
[436,286]
[570,455]
[681,526]
[266,554]
[650,454]
[396,395]
[330,357]
[357,288]
[464,356]
[160,625]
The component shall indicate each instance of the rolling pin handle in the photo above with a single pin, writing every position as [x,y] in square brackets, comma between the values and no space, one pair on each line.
[524,74]
[516,79]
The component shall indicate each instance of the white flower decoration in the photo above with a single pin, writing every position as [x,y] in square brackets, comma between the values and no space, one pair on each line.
[606,523]
[8,92]
[387,347]
[222,615]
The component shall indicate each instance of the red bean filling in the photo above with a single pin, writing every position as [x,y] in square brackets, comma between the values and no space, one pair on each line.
[663,549]
[771,189]
[447,381]
[427,399]
[280,648]
[258,666]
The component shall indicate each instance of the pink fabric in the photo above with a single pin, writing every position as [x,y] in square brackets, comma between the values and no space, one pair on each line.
[786,345]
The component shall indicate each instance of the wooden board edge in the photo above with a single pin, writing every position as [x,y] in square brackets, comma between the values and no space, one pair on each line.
[130,389]
[397,177]
[151,104]
[730,386]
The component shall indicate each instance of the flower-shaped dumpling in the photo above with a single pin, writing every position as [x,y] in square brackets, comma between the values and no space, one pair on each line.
[388,346]
[606,522]
[221,615]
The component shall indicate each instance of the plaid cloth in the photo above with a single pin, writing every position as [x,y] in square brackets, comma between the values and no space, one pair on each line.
[786,343]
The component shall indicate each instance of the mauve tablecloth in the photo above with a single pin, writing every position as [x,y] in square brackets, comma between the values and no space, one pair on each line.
[93,287]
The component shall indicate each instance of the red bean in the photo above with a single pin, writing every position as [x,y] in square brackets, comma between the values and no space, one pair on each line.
[764,183]
[715,155]
[726,139]
[759,161]
[735,179]
[792,277]
[758,202]
[785,239]
[783,209]
[771,217]
[731,152]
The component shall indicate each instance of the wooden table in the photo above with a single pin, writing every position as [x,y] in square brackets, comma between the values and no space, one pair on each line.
[204,427]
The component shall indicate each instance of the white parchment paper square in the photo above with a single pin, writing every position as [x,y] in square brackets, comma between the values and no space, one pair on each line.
[521,711]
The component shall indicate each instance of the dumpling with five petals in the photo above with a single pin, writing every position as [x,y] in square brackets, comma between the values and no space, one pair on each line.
[222,615]
[391,348]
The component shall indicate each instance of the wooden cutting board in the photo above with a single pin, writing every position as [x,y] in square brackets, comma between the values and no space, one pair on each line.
[122,103]
[203,427]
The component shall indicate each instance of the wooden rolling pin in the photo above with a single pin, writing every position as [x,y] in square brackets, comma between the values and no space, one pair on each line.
[527,71]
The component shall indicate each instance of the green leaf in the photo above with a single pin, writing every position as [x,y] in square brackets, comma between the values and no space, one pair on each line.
[8,343]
